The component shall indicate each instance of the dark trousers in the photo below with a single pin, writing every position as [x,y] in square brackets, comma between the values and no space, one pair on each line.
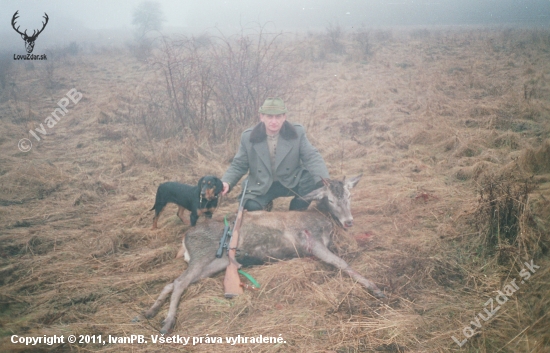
[304,187]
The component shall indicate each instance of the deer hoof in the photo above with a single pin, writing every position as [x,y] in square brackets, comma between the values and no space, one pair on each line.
[167,326]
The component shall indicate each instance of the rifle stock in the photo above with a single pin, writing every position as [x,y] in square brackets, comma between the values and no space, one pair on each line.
[232,282]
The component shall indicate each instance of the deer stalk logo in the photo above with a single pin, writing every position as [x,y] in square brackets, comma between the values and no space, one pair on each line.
[29,40]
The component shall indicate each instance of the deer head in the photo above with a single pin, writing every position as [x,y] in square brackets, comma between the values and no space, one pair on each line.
[335,198]
[29,40]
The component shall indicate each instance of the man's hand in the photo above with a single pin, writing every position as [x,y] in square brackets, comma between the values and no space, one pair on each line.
[225,188]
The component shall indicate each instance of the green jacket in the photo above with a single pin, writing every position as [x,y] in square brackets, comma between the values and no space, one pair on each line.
[294,155]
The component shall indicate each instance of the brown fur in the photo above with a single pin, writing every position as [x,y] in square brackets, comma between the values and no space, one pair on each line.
[265,235]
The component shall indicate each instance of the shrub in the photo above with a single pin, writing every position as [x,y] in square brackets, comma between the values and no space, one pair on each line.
[334,39]
[215,85]
[5,67]
[503,216]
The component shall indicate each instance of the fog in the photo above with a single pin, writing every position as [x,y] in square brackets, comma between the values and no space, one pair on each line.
[111,21]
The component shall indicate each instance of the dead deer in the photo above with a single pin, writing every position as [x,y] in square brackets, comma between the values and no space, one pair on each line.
[266,235]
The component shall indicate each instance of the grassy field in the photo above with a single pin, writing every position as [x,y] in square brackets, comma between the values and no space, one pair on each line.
[450,128]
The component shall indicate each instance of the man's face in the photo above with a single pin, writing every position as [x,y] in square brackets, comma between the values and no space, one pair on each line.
[273,123]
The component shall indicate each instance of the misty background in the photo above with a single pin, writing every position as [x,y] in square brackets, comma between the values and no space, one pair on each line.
[110,22]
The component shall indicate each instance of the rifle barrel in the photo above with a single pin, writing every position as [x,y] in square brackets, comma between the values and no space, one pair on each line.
[232,282]
[224,239]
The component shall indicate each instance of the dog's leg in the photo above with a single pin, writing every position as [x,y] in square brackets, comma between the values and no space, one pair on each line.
[156,218]
[194,217]
[181,214]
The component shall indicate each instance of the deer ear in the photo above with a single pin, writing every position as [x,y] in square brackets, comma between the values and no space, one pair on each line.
[316,194]
[351,182]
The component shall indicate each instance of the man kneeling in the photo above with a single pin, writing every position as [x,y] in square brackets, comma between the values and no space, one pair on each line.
[280,160]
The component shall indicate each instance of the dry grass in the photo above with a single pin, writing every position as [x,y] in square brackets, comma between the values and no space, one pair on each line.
[427,117]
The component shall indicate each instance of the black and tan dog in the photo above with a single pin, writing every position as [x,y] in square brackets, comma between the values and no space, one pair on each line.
[200,200]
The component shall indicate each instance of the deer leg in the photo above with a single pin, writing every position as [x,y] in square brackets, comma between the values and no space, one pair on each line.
[158,303]
[182,282]
[214,267]
[320,251]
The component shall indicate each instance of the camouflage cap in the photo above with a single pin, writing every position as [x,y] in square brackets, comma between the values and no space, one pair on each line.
[273,106]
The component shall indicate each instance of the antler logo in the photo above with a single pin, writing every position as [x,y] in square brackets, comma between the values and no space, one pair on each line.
[29,40]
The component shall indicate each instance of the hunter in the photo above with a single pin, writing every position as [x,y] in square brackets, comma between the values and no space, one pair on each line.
[280,160]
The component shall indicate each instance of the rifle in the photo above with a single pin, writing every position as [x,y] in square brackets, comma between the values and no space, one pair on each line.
[232,282]
[225,238]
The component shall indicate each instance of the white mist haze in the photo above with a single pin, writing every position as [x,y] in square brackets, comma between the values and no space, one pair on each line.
[111,21]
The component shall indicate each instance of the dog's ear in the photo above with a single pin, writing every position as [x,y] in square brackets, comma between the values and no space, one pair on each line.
[200,182]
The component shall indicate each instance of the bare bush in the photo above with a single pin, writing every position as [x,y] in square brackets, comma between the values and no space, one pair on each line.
[147,18]
[73,48]
[334,39]
[540,37]
[214,85]
[251,68]
[50,67]
[5,67]
[383,36]
[362,43]
[141,48]
[503,216]
[420,34]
